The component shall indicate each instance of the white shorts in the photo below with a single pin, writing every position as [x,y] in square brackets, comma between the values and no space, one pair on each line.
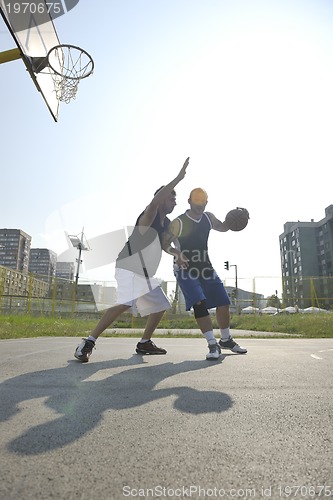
[145,296]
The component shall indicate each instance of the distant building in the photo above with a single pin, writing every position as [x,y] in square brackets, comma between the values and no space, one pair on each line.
[103,296]
[65,270]
[14,249]
[306,252]
[244,298]
[42,263]
[15,283]
[86,292]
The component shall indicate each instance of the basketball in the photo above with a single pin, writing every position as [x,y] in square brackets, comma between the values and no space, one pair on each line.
[237,219]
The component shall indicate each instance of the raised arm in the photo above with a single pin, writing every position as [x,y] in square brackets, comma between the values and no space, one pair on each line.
[151,210]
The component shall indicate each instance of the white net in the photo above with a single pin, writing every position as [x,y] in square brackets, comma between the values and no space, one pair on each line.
[69,65]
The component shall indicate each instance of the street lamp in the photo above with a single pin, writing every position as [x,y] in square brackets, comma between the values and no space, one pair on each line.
[236,280]
[236,277]
[79,244]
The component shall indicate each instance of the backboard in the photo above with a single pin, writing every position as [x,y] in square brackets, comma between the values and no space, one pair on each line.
[32,28]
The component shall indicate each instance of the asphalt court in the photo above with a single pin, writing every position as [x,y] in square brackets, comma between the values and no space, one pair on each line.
[126,425]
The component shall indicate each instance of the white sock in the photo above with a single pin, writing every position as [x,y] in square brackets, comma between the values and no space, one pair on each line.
[225,333]
[92,338]
[210,337]
[143,341]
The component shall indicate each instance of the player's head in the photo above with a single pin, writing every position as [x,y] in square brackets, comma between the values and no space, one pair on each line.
[198,199]
[170,201]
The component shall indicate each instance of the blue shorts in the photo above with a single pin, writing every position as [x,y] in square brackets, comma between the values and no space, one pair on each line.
[196,288]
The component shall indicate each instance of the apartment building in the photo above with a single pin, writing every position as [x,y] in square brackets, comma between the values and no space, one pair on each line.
[42,263]
[16,283]
[65,270]
[306,252]
[15,249]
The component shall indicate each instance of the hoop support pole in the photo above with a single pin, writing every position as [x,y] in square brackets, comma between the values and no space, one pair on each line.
[10,55]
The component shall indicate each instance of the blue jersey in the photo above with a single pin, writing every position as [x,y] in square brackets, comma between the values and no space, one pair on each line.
[193,241]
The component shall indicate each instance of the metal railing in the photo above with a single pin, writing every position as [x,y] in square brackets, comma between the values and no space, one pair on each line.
[62,298]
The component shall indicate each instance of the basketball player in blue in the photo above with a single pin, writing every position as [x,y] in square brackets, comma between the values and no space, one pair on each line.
[202,288]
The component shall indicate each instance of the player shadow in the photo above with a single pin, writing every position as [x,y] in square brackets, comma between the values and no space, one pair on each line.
[79,403]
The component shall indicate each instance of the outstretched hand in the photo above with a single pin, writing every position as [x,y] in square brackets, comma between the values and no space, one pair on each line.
[182,172]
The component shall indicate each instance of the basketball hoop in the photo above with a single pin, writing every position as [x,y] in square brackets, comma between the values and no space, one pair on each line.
[68,65]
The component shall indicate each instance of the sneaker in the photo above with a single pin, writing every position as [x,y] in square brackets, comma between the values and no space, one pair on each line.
[149,348]
[84,350]
[214,351]
[232,346]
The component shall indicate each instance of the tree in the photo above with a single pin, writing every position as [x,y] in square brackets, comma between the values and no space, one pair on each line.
[274,301]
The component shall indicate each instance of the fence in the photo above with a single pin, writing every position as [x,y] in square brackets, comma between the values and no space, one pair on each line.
[63,299]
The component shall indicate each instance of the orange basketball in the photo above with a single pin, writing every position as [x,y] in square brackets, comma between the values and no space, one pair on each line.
[237,219]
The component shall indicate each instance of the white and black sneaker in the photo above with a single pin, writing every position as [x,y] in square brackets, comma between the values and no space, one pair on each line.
[232,346]
[214,352]
[84,350]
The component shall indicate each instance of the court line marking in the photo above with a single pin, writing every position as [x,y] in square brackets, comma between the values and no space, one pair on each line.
[318,357]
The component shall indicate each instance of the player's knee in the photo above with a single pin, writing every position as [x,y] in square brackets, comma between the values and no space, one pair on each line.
[200,309]
[224,308]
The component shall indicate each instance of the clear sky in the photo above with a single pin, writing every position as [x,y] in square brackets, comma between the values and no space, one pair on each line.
[243,87]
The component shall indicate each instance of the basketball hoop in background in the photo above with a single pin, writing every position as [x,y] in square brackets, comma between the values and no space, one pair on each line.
[56,69]
[75,65]
[67,65]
